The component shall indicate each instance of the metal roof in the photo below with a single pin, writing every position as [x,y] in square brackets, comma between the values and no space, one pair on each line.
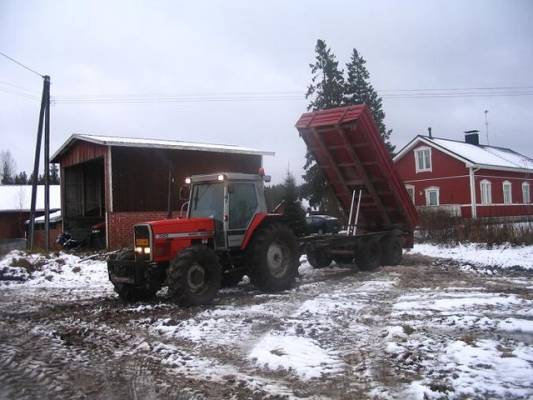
[157,144]
[490,157]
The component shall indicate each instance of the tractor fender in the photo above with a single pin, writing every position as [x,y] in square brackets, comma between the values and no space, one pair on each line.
[258,221]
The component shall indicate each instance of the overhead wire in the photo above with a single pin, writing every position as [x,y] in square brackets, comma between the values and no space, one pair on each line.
[20,64]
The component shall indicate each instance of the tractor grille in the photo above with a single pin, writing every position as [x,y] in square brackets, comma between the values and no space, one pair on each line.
[143,245]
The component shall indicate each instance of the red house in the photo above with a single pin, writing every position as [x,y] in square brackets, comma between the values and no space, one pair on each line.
[466,178]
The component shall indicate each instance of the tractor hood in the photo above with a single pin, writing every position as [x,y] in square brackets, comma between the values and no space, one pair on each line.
[168,228]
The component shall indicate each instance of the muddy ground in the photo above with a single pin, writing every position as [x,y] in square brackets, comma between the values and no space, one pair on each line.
[397,332]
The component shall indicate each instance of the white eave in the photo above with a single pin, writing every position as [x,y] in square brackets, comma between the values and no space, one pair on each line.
[159,144]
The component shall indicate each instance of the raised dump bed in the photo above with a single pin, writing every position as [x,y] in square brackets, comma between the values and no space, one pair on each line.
[348,148]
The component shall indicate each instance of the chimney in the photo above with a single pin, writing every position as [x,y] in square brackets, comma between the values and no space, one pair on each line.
[472,137]
[429,132]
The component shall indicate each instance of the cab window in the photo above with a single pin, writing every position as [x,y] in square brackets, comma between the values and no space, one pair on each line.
[242,204]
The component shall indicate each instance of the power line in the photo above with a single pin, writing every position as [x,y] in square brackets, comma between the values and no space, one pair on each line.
[18,93]
[22,65]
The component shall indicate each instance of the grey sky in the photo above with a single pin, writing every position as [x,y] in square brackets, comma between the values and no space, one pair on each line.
[159,47]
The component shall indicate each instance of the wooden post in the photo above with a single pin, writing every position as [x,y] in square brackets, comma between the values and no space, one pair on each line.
[46,87]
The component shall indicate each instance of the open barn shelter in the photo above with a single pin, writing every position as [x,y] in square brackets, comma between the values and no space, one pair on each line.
[122,181]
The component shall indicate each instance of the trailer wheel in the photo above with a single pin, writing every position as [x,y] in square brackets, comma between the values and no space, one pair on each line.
[273,258]
[392,250]
[318,258]
[231,279]
[368,255]
[194,276]
[343,259]
[128,292]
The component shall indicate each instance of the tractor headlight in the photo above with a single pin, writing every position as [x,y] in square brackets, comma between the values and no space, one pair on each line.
[220,177]
[139,250]
[188,181]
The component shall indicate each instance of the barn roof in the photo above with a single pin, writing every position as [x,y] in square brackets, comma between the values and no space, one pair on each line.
[157,144]
[18,198]
[483,156]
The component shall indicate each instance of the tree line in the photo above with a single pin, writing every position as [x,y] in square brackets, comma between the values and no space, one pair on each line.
[333,87]
[9,175]
[330,87]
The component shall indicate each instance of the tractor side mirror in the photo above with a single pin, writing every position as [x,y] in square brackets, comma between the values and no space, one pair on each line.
[185,191]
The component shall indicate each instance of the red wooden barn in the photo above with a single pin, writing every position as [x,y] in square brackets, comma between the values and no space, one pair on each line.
[466,178]
[119,181]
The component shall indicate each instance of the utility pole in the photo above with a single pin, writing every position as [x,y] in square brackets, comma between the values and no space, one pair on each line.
[487,126]
[44,113]
[47,168]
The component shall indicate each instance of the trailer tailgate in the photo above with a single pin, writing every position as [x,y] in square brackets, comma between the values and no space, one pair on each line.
[348,148]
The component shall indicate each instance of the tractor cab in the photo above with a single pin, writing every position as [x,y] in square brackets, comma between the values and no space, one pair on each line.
[231,200]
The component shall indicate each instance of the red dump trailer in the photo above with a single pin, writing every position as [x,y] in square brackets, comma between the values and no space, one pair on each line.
[349,150]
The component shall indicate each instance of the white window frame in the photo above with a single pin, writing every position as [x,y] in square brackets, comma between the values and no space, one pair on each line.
[507,188]
[485,195]
[424,168]
[526,199]
[411,189]
[428,196]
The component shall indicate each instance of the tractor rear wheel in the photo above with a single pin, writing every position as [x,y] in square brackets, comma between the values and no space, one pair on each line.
[128,292]
[194,276]
[368,255]
[273,257]
[392,250]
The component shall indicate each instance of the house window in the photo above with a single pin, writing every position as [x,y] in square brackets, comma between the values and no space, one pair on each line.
[525,193]
[411,192]
[486,192]
[507,193]
[423,159]
[432,196]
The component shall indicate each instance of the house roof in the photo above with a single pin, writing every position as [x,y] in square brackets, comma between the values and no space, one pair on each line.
[157,144]
[18,198]
[483,156]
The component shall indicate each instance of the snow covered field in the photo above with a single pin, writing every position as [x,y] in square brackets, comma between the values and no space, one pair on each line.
[425,329]
[502,256]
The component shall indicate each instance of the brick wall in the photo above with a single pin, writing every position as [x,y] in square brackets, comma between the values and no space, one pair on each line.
[120,226]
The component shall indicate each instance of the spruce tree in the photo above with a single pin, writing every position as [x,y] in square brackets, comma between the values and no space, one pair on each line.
[358,89]
[325,91]
[54,174]
[292,208]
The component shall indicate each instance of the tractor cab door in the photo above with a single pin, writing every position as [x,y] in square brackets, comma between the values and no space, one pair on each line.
[243,204]
[207,200]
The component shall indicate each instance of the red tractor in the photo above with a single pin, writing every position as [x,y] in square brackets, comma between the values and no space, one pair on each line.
[227,234]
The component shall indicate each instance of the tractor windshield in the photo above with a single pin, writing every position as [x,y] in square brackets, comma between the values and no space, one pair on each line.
[207,200]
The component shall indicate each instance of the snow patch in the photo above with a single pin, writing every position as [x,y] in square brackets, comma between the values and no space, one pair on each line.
[294,353]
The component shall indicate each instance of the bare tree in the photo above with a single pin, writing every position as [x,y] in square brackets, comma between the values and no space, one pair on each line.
[8,167]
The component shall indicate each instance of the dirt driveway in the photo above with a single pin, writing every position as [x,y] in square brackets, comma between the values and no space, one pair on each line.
[425,329]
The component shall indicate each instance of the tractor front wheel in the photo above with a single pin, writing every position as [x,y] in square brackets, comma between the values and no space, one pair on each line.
[129,292]
[273,258]
[194,276]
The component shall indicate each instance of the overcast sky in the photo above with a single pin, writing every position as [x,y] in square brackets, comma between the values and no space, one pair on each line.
[204,48]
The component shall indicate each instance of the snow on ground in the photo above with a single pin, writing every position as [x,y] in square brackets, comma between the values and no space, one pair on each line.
[59,271]
[416,331]
[503,256]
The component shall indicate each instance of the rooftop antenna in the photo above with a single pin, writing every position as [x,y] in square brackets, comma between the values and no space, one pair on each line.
[429,132]
[487,126]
